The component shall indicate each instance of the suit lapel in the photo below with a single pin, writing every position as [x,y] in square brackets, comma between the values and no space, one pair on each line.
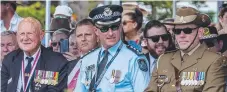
[17,69]
[72,64]
[176,60]
[193,59]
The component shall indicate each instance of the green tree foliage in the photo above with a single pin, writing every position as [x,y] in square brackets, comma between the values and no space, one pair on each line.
[35,10]
[160,9]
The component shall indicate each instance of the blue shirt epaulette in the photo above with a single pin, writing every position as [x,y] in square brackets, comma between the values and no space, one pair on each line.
[136,51]
[89,52]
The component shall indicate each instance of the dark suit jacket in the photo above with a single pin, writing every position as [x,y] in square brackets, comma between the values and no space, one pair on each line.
[48,61]
[72,64]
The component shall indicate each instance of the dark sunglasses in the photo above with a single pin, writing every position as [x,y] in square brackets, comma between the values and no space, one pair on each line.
[185,30]
[106,28]
[125,22]
[156,38]
[54,44]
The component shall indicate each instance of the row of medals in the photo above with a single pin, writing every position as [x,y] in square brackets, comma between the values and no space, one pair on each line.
[46,77]
[193,78]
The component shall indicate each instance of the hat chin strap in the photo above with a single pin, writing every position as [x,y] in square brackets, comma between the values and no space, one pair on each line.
[190,44]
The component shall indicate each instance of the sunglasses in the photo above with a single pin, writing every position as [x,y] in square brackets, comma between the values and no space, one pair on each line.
[54,44]
[106,28]
[185,30]
[125,22]
[156,38]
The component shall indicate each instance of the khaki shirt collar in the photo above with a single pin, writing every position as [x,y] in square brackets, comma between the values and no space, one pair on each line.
[193,50]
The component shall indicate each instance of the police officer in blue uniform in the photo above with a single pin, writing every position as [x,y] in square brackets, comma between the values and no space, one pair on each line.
[114,66]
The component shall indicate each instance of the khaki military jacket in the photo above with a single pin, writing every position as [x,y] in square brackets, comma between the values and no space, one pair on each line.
[203,71]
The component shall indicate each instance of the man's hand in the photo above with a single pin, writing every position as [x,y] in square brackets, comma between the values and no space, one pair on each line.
[69,56]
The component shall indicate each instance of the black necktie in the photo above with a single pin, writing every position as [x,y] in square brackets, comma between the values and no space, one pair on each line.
[102,64]
[100,69]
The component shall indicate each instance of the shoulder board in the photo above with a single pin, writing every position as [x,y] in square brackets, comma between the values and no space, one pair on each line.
[171,51]
[136,51]
[89,52]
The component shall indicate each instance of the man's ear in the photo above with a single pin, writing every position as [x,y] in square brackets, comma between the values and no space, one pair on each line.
[200,32]
[42,33]
[96,31]
[220,44]
[135,25]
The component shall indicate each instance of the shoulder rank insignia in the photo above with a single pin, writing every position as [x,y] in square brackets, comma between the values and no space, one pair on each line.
[142,65]
[89,52]
[134,50]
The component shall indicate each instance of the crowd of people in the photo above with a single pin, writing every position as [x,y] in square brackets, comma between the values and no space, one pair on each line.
[111,51]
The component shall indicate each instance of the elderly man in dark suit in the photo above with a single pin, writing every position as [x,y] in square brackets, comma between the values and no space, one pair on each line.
[33,68]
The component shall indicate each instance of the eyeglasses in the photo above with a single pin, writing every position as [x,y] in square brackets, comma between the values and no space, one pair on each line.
[185,30]
[106,28]
[54,44]
[156,38]
[125,22]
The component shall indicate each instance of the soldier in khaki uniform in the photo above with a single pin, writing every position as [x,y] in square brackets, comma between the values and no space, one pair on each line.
[192,68]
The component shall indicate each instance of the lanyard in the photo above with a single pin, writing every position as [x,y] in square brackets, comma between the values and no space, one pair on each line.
[25,86]
[107,66]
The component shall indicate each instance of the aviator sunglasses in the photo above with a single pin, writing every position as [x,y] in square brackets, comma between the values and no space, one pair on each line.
[106,28]
[185,30]
[156,38]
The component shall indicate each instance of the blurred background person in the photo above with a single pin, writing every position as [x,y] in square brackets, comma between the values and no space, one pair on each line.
[222,24]
[8,43]
[85,36]
[9,18]
[74,52]
[132,22]
[157,40]
[169,27]
[57,36]
[63,11]
[222,40]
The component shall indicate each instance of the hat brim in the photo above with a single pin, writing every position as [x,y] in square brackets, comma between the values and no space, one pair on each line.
[202,20]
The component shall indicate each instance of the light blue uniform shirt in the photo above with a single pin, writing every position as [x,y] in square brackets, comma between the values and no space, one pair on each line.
[130,79]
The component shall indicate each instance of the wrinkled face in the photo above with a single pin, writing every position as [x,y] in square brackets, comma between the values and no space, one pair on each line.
[224,18]
[157,40]
[72,45]
[8,44]
[128,24]
[109,38]
[56,41]
[86,38]
[28,37]
[184,39]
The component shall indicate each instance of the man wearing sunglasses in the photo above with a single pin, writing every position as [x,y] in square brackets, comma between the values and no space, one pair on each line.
[114,66]
[192,68]
[57,36]
[156,39]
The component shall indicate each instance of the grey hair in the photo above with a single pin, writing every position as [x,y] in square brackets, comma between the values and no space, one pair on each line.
[61,31]
[6,33]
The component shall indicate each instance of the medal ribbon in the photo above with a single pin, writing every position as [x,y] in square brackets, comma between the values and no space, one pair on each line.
[25,86]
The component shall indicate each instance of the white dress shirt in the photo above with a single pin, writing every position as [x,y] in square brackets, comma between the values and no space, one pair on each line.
[152,63]
[20,81]
[13,23]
